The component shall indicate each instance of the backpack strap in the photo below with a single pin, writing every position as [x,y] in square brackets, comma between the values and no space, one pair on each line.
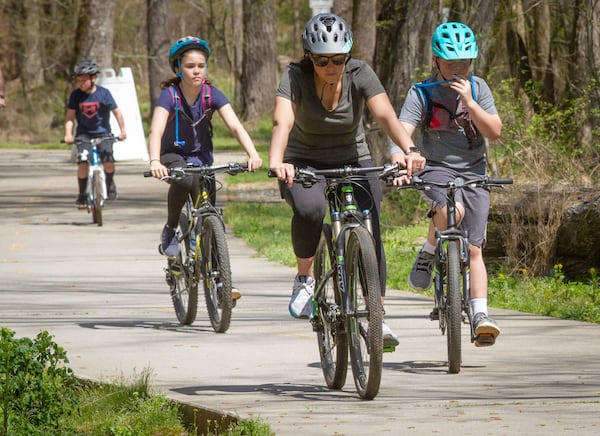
[430,104]
[206,95]
[175,99]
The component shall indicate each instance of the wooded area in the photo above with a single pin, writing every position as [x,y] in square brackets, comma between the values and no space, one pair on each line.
[547,48]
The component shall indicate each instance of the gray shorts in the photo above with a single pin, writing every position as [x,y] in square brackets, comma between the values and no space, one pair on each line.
[84,149]
[476,201]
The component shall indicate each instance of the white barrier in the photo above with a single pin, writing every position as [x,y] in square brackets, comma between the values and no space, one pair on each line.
[122,87]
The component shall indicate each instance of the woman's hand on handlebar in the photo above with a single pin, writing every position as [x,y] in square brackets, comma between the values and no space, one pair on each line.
[284,172]
[254,163]
[158,170]
[412,162]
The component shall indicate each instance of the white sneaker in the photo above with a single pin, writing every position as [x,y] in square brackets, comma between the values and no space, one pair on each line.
[389,337]
[301,302]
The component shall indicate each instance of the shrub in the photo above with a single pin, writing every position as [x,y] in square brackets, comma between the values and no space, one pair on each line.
[36,388]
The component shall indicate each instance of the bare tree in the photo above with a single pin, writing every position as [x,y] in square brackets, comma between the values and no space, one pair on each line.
[363,29]
[403,52]
[260,60]
[96,31]
[158,45]
[238,49]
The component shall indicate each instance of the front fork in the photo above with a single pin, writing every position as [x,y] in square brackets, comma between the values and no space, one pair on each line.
[440,279]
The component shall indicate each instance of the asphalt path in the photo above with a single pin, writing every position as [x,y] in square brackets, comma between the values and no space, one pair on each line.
[100,292]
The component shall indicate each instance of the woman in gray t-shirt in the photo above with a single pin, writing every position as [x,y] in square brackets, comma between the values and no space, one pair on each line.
[318,123]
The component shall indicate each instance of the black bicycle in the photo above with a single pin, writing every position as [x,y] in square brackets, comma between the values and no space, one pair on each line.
[203,252]
[452,270]
[348,314]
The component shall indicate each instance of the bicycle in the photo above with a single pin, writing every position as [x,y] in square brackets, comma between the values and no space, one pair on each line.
[203,253]
[452,270]
[348,313]
[96,192]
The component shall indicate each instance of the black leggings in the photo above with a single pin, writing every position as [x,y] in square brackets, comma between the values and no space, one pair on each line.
[309,208]
[180,189]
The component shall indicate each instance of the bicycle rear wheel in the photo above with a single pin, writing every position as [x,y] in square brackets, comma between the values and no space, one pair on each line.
[453,308]
[217,273]
[328,322]
[98,200]
[365,315]
[184,287]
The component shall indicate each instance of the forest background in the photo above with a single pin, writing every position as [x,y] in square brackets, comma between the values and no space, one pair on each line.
[540,58]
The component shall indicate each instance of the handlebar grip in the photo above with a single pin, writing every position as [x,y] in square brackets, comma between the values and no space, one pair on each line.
[500,181]
[271,174]
[147,174]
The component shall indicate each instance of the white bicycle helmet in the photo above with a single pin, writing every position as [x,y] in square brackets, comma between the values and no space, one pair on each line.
[327,33]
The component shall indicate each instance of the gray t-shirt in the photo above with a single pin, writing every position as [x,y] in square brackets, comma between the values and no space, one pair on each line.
[446,141]
[334,137]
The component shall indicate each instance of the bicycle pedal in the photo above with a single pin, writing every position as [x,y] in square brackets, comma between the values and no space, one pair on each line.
[485,340]
[434,315]
[389,349]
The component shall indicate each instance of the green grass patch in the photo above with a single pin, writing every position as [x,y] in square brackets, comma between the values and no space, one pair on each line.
[266,228]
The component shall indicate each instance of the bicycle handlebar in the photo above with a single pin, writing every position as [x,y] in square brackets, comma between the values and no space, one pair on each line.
[231,168]
[110,136]
[387,172]
[459,182]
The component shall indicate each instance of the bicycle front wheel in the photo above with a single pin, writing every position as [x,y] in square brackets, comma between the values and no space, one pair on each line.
[98,200]
[365,315]
[453,308]
[328,322]
[184,287]
[217,273]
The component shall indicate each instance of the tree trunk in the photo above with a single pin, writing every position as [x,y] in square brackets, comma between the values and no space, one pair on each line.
[363,29]
[97,33]
[403,48]
[260,61]
[157,14]
[238,51]
[30,41]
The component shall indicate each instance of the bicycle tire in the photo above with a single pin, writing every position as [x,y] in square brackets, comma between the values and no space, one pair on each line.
[332,337]
[98,200]
[365,316]
[184,289]
[453,308]
[217,273]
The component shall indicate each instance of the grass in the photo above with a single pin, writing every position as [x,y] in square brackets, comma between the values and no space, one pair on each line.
[266,228]
[122,408]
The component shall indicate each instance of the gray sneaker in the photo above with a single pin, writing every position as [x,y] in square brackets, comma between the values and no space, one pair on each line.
[420,277]
[486,330]
[301,302]
[169,242]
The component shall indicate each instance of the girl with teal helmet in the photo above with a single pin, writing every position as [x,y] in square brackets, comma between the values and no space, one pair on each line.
[181,129]
[454,41]
[181,46]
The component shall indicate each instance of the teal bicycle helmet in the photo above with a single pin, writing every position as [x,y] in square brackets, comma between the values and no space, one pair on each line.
[453,41]
[327,33]
[184,44]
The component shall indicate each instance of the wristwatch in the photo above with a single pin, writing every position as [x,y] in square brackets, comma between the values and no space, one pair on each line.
[413,150]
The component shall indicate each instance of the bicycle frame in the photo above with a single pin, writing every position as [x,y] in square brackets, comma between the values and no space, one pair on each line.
[203,255]
[96,190]
[452,267]
[347,300]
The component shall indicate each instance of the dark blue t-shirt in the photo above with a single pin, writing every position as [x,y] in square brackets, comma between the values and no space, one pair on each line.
[194,126]
[92,111]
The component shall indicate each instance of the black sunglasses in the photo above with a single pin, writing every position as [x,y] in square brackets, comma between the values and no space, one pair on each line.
[323,61]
